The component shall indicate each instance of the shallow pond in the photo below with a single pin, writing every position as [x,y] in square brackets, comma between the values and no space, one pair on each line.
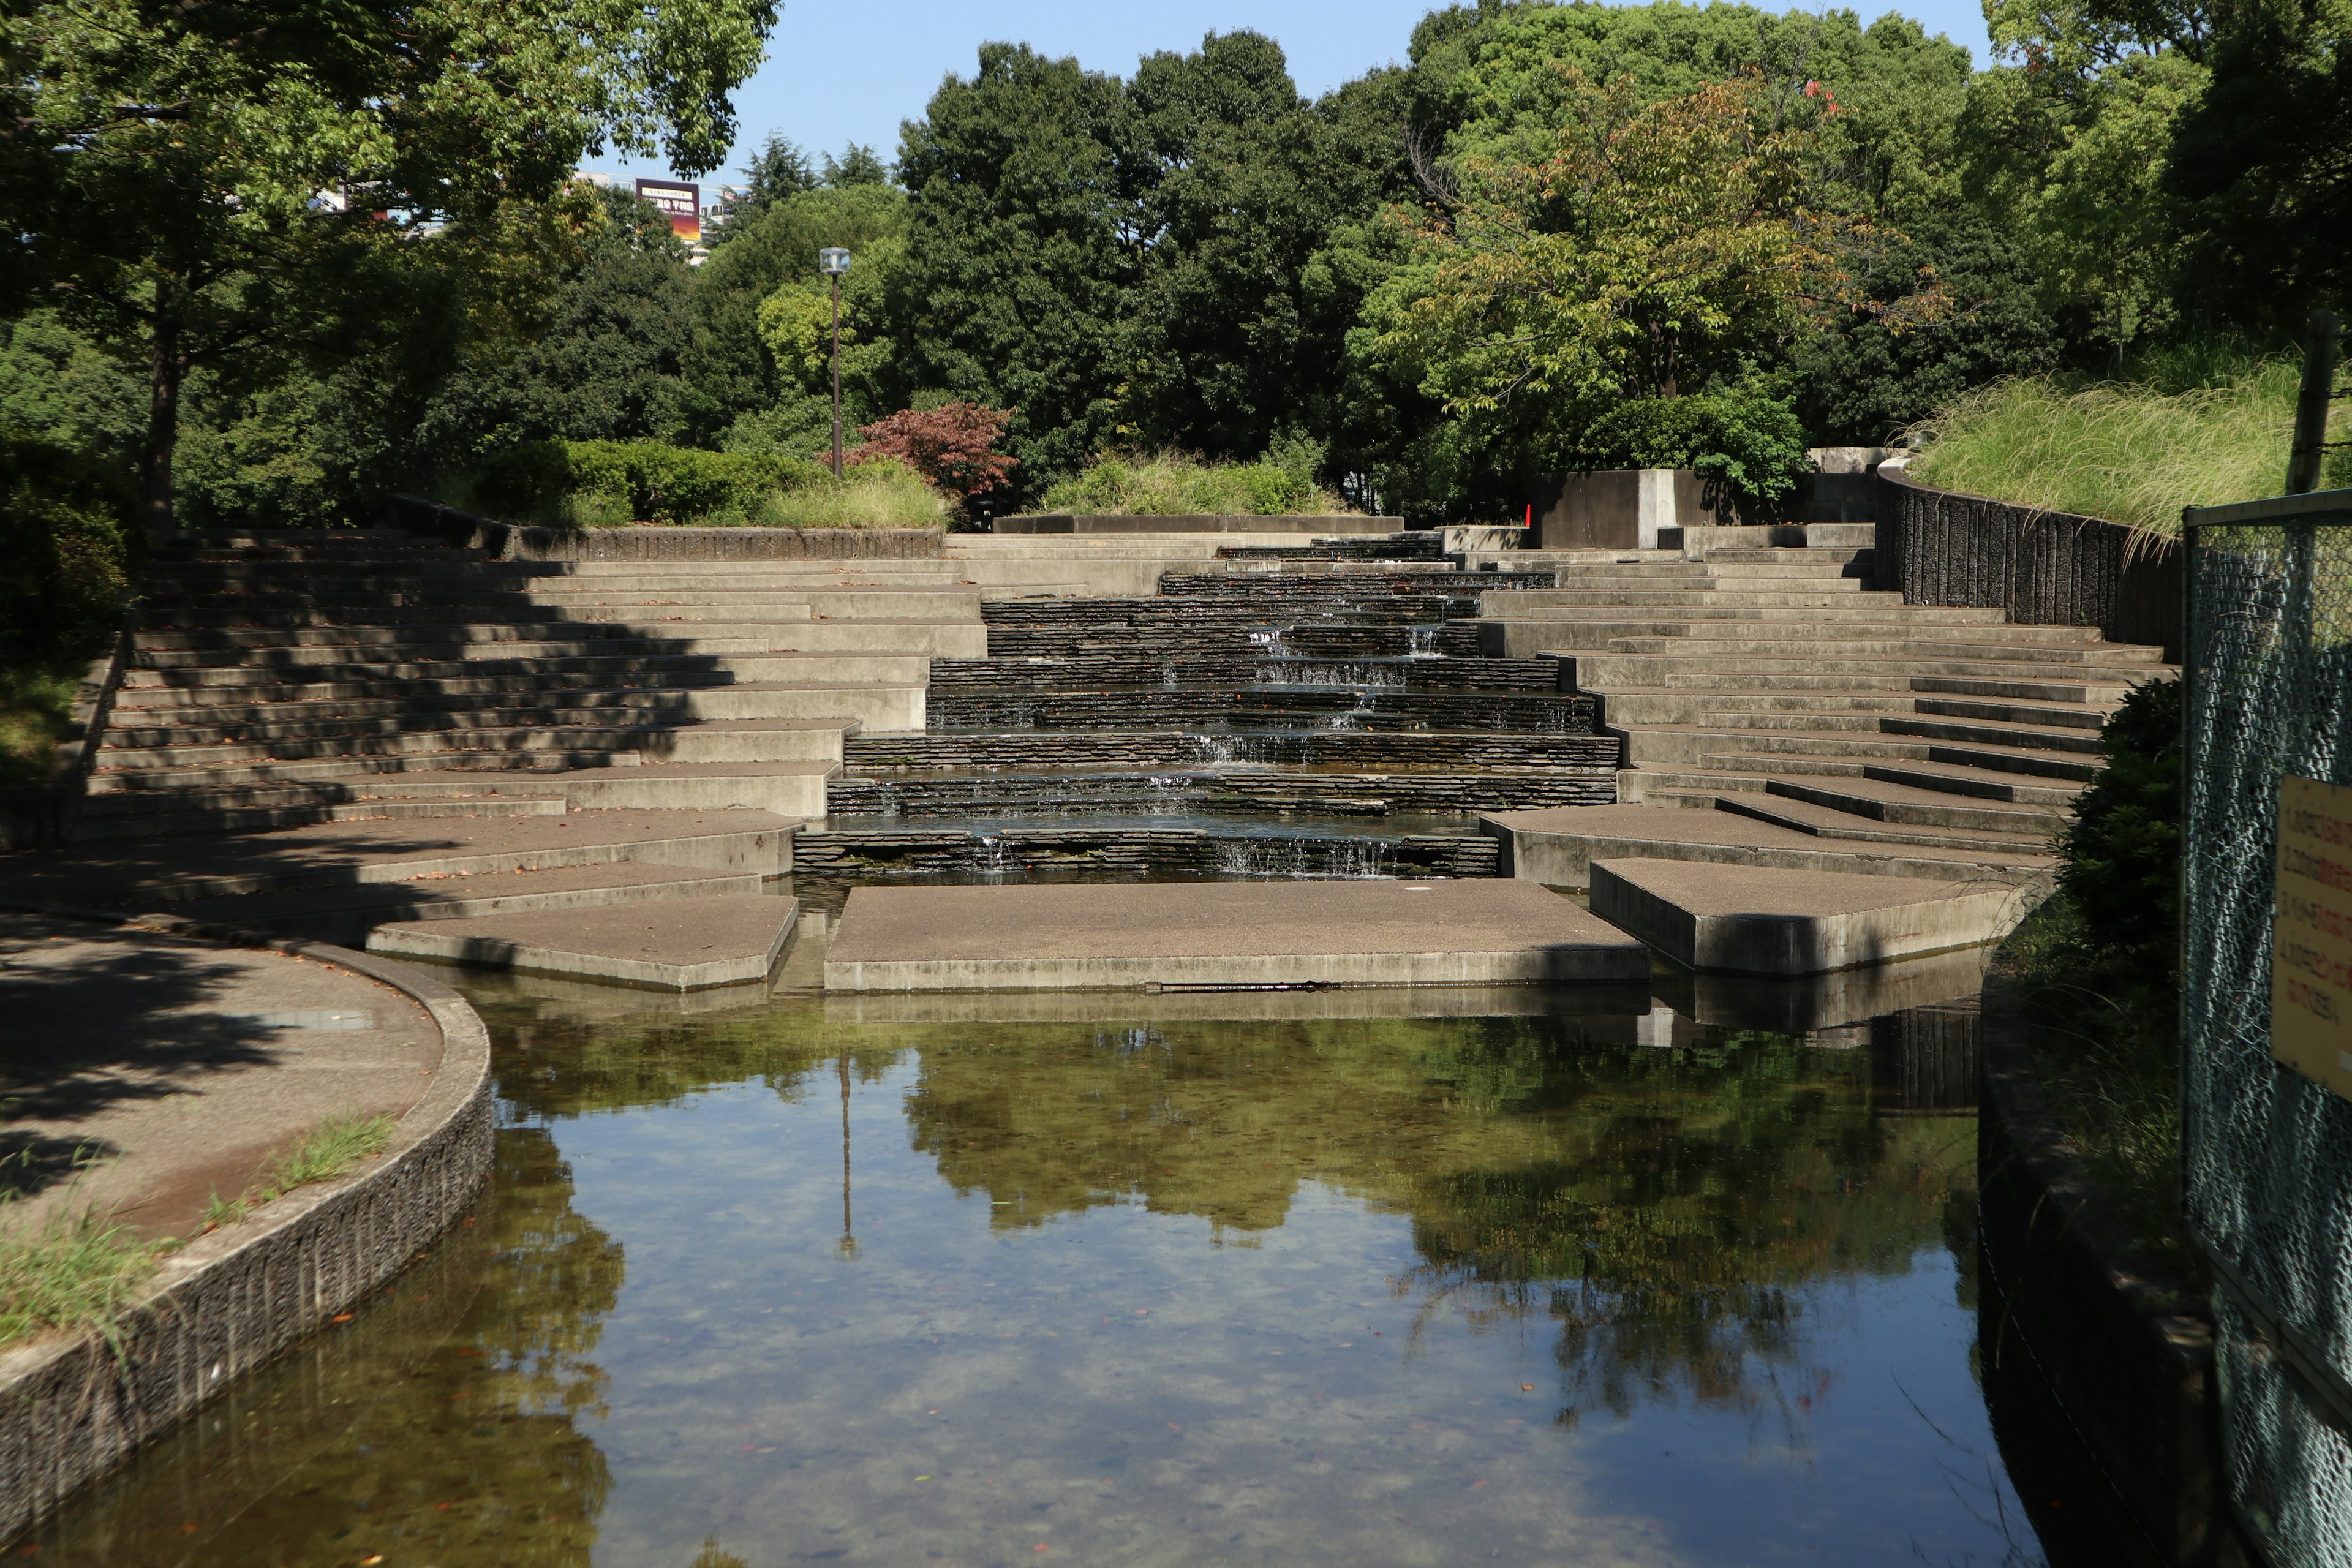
[1130,1282]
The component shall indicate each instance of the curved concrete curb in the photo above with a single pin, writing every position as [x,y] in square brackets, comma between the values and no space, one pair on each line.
[72,1410]
[2124,1346]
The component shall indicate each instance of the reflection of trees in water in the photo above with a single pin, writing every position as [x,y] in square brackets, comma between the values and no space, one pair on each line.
[553,1062]
[1660,1206]
[462,1449]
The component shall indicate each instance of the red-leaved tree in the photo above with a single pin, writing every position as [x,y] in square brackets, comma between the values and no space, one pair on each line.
[953,445]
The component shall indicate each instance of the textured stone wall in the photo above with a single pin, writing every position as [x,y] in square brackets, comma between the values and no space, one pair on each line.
[2043,568]
[72,1410]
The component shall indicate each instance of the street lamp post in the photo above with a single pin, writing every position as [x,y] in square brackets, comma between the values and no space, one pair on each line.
[833,262]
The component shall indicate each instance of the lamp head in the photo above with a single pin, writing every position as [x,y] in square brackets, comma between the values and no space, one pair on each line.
[833,261]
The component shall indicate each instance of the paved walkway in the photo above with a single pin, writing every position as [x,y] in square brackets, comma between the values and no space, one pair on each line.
[181,1067]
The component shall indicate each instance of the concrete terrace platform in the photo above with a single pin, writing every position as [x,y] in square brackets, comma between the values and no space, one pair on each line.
[180,1067]
[683,944]
[1221,934]
[1756,920]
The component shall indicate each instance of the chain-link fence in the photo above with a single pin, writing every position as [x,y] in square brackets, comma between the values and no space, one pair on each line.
[2267,1152]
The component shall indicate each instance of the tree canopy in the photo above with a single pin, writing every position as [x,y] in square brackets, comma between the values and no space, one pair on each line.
[349,234]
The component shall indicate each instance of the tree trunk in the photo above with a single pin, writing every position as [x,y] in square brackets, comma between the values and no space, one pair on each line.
[164,371]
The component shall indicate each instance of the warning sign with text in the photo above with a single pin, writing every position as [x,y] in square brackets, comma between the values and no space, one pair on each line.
[2311,934]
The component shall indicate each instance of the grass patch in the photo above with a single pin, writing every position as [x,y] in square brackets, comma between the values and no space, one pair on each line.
[76,1274]
[36,709]
[613,484]
[331,1150]
[2130,452]
[2106,1046]
[1172,484]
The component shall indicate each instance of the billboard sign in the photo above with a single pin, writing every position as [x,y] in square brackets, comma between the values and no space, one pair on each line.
[680,201]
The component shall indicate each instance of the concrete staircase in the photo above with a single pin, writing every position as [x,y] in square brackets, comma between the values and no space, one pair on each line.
[320,731]
[1792,717]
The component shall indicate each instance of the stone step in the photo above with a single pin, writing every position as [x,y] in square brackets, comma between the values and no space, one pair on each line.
[341,856]
[1827,822]
[345,915]
[1932,775]
[1606,671]
[1924,646]
[93,827]
[168,802]
[1882,800]
[776,739]
[999,791]
[1557,846]
[273,654]
[1685,744]
[1804,555]
[1579,633]
[2081,740]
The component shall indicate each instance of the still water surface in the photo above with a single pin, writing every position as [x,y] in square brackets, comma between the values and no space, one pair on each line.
[778,1286]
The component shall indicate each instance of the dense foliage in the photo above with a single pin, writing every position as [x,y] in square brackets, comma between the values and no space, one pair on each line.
[2120,860]
[1440,278]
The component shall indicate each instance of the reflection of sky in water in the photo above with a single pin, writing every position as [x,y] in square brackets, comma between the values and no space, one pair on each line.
[1265,1292]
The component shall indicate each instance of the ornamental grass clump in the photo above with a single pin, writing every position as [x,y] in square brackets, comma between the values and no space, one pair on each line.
[1175,484]
[331,1150]
[2133,453]
[78,1272]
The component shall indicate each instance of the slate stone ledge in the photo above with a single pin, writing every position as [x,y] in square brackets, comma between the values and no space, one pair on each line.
[2124,1345]
[72,1410]
[2039,568]
[651,542]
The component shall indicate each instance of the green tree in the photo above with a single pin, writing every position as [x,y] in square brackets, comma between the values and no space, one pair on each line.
[215,184]
[2262,164]
[1021,249]
[1232,338]
[604,365]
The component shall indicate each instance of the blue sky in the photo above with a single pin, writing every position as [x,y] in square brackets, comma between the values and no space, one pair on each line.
[844,71]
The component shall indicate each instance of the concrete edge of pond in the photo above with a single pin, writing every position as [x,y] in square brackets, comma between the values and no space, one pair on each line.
[2123,1342]
[71,1410]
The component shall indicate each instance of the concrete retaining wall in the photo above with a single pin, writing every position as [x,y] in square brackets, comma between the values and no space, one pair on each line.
[229,1301]
[2043,568]
[646,541]
[2123,1345]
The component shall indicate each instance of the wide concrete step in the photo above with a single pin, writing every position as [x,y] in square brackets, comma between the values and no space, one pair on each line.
[940,639]
[1604,634]
[1930,773]
[1841,645]
[345,915]
[1604,670]
[1670,744]
[423,656]
[1827,822]
[1557,846]
[1699,704]
[346,854]
[153,814]
[2080,738]
[773,737]
[1883,800]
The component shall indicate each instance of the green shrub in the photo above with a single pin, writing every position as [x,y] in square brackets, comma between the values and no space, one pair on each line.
[1171,484]
[1753,447]
[605,483]
[2119,861]
[66,549]
[879,492]
[2134,453]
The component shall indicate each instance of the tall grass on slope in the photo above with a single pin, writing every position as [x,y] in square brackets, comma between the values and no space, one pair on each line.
[2132,453]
